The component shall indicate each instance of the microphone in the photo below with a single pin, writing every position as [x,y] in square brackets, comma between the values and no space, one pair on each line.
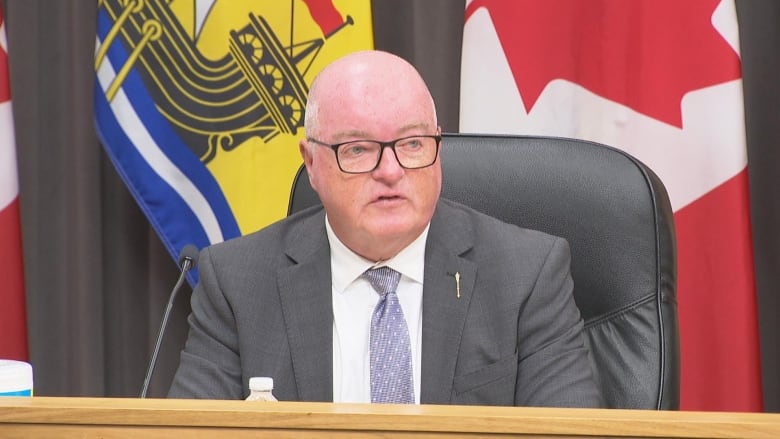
[188,258]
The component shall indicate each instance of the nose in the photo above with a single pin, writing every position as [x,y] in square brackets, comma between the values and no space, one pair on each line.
[389,167]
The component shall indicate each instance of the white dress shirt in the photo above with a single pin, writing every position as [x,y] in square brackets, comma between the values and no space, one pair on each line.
[354,301]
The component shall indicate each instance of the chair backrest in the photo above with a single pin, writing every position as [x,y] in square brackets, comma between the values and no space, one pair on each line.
[616,215]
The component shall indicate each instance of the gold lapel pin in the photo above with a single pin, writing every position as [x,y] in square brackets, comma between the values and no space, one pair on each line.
[457,284]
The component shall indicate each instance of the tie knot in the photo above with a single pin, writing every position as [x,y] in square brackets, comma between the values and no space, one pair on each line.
[383,279]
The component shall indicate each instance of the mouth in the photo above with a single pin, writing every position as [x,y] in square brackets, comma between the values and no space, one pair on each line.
[383,199]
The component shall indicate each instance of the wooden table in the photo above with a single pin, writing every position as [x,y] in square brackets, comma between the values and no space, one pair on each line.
[47,417]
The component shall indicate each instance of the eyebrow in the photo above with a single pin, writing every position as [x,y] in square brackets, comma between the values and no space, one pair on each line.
[362,135]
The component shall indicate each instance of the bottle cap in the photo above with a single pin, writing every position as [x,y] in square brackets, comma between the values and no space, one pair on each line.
[261,383]
[16,378]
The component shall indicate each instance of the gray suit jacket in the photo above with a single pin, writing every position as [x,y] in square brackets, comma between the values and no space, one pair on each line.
[514,337]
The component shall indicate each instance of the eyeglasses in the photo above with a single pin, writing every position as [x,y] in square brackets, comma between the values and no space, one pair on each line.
[361,156]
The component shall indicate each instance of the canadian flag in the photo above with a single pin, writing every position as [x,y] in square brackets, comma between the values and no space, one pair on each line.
[660,79]
[13,320]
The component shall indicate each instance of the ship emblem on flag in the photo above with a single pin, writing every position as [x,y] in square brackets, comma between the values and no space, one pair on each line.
[199,104]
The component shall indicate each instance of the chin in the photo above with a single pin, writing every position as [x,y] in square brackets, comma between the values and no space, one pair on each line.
[394,229]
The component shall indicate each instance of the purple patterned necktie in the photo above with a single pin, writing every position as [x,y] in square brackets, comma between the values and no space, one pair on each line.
[390,351]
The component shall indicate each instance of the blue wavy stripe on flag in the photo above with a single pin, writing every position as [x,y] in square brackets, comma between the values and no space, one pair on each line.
[175,190]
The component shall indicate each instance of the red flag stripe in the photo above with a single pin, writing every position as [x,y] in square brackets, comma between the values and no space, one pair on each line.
[716,294]
[5,88]
[13,321]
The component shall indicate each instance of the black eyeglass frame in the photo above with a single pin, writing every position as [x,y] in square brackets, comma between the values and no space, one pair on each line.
[382,145]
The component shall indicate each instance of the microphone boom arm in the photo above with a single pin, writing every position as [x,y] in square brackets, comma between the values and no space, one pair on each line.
[187,261]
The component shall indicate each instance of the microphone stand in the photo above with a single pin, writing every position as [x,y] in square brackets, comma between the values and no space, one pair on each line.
[186,264]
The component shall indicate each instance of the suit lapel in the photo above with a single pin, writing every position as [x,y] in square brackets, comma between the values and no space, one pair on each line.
[444,313]
[305,295]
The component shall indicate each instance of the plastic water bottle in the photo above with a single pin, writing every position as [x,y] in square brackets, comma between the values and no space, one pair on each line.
[260,389]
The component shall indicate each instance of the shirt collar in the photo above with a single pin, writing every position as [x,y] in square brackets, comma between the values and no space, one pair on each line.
[346,265]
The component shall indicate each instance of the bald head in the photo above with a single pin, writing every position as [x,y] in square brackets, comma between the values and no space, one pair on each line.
[364,80]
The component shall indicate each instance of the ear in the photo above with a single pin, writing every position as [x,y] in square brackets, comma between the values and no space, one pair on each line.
[308,159]
[306,155]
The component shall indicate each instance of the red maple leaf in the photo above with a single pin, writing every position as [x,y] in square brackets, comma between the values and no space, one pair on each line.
[643,54]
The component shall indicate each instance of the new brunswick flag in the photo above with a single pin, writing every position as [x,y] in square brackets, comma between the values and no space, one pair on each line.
[199,104]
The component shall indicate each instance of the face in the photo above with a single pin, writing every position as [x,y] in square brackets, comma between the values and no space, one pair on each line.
[378,97]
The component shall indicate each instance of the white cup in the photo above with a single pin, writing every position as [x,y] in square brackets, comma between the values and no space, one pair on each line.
[16,378]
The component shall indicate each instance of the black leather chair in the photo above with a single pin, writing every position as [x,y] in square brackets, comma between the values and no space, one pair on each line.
[615,213]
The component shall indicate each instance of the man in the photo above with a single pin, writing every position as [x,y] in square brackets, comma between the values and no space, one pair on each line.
[482,313]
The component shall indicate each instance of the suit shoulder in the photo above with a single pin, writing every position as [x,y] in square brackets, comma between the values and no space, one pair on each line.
[272,237]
